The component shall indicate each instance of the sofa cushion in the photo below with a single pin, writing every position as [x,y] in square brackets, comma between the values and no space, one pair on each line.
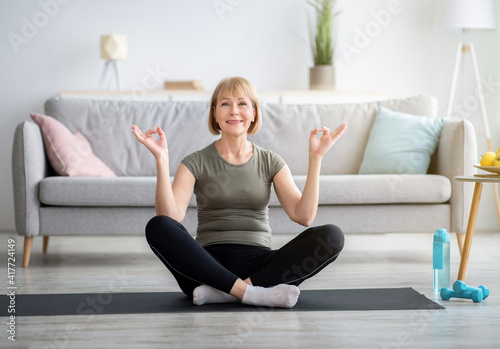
[334,190]
[69,154]
[401,143]
[379,189]
[94,191]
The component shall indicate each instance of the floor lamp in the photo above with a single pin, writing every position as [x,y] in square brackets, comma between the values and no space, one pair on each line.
[465,16]
[113,49]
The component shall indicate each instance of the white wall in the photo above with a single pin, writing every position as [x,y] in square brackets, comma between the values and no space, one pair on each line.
[265,41]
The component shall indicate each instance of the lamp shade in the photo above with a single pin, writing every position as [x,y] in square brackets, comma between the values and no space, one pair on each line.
[114,47]
[456,15]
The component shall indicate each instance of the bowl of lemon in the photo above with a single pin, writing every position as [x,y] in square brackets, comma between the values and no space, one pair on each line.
[490,162]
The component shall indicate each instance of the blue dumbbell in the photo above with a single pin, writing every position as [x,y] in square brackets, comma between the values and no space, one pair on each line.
[476,296]
[460,287]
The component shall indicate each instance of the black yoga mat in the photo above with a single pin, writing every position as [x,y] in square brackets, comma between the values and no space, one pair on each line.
[177,302]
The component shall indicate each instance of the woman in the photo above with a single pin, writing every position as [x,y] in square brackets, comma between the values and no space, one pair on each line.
[231,259]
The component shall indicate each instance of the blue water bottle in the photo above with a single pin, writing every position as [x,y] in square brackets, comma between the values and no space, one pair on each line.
[441,260]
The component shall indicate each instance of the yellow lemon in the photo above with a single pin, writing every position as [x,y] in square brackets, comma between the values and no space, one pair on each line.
[488,159]
[496,161]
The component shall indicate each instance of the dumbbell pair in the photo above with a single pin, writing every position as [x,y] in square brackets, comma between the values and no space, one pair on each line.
[461,290]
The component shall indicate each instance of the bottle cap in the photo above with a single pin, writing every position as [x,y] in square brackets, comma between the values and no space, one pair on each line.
[441,235]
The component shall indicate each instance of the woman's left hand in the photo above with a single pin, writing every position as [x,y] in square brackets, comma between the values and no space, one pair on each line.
[318,147]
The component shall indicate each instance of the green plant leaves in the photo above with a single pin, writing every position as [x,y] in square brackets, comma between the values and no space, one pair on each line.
[321,34]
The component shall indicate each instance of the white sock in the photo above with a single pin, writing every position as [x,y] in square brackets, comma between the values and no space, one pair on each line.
[204,294]
[282,296]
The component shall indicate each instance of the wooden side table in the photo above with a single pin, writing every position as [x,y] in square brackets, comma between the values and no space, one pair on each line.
[474,208]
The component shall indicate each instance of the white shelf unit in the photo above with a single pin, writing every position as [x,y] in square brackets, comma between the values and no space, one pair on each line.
[279,97]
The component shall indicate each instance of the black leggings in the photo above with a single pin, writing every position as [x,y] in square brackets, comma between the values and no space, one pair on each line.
[221,265]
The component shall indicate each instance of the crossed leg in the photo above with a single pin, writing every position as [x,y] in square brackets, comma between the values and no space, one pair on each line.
[202,277]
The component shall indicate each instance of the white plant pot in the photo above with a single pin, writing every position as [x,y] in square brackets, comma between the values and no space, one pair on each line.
[322,77]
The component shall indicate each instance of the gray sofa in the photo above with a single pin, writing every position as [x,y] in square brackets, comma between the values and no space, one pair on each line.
[50,205]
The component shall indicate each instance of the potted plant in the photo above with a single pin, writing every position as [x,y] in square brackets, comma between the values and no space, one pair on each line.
[322,75]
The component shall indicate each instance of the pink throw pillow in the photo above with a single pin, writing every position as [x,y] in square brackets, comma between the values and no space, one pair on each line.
[69,154]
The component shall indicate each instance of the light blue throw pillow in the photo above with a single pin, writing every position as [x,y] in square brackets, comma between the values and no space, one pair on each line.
[400,143]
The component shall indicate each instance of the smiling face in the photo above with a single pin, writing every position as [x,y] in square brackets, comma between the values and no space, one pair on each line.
[233,102]
[234,114]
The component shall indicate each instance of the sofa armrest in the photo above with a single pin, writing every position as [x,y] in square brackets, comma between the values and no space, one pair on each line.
[29,167]
[456,155]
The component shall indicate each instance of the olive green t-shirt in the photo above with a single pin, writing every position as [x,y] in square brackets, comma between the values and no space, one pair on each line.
[233,199]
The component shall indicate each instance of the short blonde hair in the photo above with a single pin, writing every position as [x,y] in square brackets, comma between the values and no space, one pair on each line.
[238,86]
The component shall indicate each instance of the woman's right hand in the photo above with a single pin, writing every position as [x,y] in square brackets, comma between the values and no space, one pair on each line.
[159,147]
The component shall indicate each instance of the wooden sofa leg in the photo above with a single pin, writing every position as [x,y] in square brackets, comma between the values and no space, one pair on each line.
[460,239]
[28,242]
[45,244]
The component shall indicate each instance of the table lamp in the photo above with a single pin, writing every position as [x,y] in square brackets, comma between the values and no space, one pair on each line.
[113,48]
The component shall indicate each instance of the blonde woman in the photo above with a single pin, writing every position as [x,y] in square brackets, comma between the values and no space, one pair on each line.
[231,259]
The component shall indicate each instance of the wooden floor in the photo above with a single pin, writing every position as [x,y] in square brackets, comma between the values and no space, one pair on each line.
[124,264]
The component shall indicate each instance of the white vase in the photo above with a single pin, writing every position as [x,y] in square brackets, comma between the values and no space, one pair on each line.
[322,77]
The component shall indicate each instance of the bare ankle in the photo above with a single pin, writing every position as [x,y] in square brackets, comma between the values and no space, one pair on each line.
[238,289]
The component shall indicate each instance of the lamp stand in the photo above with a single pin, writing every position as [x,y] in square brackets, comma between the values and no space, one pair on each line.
[463,49]
[113,63]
